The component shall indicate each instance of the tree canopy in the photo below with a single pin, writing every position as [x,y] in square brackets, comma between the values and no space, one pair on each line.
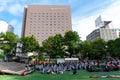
[71,40]
[8,42]
[30,44]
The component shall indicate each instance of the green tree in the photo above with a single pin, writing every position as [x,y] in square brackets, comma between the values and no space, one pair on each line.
[40,54]
[30,44]
[87,49]
[109,47]
[54,46]
[71,40]
[58,46]
[48,46]
[9,42]
[116,48]
[99,48]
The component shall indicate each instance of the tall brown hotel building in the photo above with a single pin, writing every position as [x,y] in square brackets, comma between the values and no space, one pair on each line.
[43,21]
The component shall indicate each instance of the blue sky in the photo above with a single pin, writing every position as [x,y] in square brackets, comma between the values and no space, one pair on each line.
[83,12]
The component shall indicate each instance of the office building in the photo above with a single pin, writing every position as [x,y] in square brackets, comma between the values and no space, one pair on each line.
[103,31]
[43,21]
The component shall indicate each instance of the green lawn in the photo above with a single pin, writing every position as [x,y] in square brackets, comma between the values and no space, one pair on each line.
[81,75]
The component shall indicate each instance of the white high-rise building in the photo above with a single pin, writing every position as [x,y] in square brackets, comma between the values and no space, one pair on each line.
[4,27]
[103,22]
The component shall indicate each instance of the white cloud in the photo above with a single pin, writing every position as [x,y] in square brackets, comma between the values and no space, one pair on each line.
[114,12]
[84,26]
[87,25]
[15,9]
[3,6]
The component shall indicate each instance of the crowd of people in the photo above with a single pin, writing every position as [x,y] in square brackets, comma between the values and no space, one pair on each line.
[89,65]
[104,65]
[52,68]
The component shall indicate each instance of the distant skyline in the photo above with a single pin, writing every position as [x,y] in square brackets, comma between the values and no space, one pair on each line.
[83,12]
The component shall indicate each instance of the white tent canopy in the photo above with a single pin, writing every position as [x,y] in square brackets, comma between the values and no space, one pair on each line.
[32,54]
[71,59]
